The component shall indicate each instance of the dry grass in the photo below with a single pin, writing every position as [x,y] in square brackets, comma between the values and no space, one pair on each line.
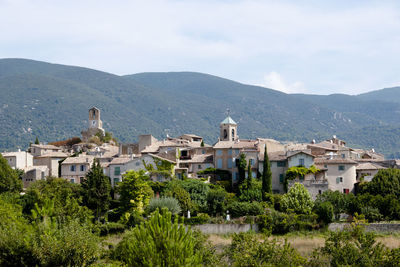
[304,244]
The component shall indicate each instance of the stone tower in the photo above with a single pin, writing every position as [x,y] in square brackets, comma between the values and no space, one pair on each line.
[95,125]
[94,118]
[228,130]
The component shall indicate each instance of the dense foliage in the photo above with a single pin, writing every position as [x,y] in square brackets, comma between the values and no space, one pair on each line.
[9,180]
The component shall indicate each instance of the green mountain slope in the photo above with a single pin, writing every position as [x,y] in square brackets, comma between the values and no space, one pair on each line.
[51,101]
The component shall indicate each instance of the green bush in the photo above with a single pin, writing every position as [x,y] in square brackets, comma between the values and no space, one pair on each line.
[72,244]
[246,250]
[239,209]
[297,199]
[324,210]
[169,203]
[111,228]
[159,242]
[215,201]
[371,214]
[201,218]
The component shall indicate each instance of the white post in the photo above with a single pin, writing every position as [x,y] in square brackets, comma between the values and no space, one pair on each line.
[188,214]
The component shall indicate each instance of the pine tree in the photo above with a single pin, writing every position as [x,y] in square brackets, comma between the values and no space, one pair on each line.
[96,190]
[37,141]
[202,143]
[267,175]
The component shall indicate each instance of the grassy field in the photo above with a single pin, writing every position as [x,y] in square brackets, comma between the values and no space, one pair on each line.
[304,243]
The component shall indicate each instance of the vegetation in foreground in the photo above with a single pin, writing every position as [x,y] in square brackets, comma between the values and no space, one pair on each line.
[56,223]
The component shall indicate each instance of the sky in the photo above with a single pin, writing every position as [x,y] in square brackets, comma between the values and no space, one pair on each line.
[299,46]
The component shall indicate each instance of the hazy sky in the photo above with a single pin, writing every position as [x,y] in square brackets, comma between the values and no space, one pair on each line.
[292,46]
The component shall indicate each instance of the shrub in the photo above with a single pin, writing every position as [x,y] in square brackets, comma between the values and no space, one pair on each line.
[169,203]
[324,210]
[215,201]
[111,228]
[238,209]
[246,250]
[298,199]
[175,190]
[159,242]
[201,218]
[72,244]
[371,214]
[250,191]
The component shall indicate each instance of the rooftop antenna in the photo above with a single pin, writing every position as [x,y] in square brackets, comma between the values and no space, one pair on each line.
[166,131]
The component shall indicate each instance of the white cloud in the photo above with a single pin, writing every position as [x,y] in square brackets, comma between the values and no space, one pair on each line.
[274,80]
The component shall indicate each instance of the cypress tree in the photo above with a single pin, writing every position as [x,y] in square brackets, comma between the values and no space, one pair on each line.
[242,168]
[249,175]
[37,141]
[267,175]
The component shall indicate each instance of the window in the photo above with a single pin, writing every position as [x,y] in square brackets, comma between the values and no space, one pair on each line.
[237,151]
[281,163]
[301,162]
[339,180]
[252,161]
[346,191]
[343,156]
[199,167]
[225,134]
[116,180]
[325,166]
[203,151]
[233,134]
[219,163]
[341,167]
[81,179]
[72,180]
[229,163]
[83,168]
[117,170]
[137,163]
[281,178]
[219,152]
[254,174]
[319,192]
[72,168]
[235,176]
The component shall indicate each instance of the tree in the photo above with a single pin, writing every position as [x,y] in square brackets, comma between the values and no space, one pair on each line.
[338,200]
[385,182]
[174,189]
[9,180]
[298,199]
[249,175]
[37,141]
[215,201]
[96,189]
[160,241]
[198,191]
[202,143]
[135,191]
[266,175]
[242,168]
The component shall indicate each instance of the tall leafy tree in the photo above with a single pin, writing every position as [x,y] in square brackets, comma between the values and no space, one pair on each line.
[96,190]
[298,199]
[242,168]
[135,191]
[266,175]
[9,179]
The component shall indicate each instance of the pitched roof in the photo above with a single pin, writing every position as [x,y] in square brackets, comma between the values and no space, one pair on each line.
[369,166]
[203,158]
[242,143]
[289,154]
[228,120]
[81,159]
[120,160]
[56,154]
[333,161]
[46,146]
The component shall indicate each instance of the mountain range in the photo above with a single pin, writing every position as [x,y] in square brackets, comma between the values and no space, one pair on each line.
[51,101]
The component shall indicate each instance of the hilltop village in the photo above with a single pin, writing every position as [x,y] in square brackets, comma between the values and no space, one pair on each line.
[335,166]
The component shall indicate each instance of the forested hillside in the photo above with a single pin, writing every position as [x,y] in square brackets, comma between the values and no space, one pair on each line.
[51,101]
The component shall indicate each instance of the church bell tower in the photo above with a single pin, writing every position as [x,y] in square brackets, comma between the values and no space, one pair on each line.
[228,130]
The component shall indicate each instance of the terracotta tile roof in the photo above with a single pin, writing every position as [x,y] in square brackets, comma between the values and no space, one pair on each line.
[322,161]
[46,146]
[203,158]
[369,166]
[120,160]
[57,154]
[242,143]
[81,159]
[273,156]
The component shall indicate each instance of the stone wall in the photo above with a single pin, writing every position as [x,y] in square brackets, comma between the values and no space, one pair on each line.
[372,227]
[225,228]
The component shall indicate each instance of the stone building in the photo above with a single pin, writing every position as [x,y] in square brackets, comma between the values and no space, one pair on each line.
[95,125]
